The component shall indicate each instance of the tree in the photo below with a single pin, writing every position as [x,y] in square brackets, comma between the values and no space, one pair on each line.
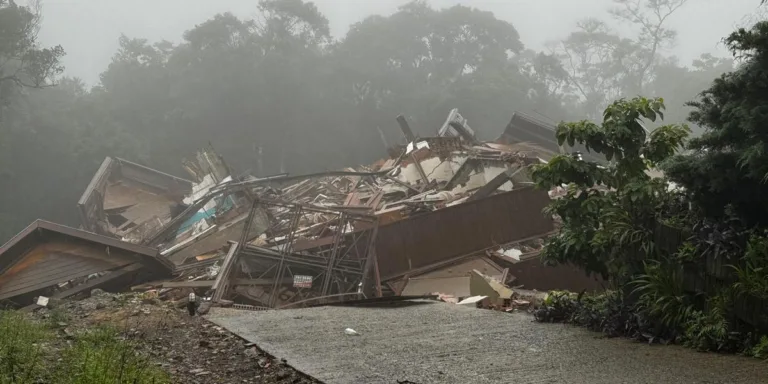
[726,169]
[650,17]
[288,22]
[423,62]
[601,65]
[609,214]
[23,63]
[684,83]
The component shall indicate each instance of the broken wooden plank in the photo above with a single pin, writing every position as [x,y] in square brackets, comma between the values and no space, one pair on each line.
[89,285]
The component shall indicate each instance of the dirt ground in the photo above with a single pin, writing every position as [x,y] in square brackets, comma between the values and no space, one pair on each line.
[190,349]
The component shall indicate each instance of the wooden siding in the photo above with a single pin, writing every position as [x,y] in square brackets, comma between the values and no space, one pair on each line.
[56,262]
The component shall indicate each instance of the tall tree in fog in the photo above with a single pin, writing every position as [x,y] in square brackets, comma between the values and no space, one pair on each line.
[23,63]
[601,65]
[680,84]
[650,18]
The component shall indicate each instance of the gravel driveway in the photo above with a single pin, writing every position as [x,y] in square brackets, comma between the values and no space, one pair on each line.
[433,342]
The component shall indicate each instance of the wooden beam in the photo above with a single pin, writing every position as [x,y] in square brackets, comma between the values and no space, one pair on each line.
[222,280]
[209,283]
[89,285]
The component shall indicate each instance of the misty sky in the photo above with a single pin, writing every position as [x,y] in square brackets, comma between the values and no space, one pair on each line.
[88,29]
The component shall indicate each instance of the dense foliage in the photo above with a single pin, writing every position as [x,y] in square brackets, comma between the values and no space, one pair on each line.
[610,213]
[278,93]
[689,259]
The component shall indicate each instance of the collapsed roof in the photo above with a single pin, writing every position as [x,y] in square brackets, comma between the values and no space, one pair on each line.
[286,240]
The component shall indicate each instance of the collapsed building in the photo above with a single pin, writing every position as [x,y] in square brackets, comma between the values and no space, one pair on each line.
[421,221]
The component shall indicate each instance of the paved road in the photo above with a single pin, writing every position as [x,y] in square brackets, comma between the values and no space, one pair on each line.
[445,343]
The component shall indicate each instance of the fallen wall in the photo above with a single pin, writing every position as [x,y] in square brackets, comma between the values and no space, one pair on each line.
[463,229]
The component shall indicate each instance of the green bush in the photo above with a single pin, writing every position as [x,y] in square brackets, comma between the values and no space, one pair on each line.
[711,332]
[661,294]
[21,353]
[760,350]
[752,277]
[104,356]
[606,313]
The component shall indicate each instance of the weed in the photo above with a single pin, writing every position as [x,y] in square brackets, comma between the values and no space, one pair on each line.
[58,316]
[760,350]
[662,296]
[711,332]
[21,352]
[105,356]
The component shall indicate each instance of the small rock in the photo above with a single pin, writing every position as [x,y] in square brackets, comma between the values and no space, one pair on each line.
[283,374]
[204,343]
[204,308]
[196,371]
[100,305]
[252,352]
[69,335]
[97,292]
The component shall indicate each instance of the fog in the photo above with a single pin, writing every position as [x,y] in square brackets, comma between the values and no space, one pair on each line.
[89,29]
[302,86]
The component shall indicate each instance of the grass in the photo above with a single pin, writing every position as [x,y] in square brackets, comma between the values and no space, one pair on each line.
[21,349]
[102,355]
[105,356]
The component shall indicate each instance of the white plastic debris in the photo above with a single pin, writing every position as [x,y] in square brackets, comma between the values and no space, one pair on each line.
[351,332]
[42,301]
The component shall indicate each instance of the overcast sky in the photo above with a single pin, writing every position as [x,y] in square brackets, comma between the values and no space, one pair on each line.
[88,29]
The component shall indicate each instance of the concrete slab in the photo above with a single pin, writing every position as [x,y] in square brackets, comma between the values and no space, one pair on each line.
[433,342]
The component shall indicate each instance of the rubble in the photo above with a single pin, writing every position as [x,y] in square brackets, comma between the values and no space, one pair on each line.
[487,292]
[189,349]
[436,208]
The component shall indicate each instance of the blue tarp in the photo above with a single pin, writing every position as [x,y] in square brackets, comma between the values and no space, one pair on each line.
[222,206]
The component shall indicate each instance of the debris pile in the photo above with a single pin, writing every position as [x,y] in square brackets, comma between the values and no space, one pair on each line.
[419,221]
[487,292]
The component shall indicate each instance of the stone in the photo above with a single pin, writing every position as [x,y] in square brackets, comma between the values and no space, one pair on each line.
[204,308]
[253,353]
